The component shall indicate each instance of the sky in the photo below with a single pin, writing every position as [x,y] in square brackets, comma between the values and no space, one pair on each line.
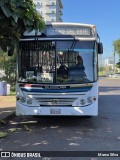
[105,14]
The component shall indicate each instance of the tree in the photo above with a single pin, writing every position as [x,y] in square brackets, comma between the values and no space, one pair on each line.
[101,68]
[8,64]
[118,64]
[116,45]
[16,17]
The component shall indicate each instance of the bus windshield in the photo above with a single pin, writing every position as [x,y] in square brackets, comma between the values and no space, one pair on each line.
[57,62]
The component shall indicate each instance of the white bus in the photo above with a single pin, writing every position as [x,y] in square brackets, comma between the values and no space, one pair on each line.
[57,71]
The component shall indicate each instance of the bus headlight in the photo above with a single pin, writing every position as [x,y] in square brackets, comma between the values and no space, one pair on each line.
[23,99]
[29,101]
[87,101]
[90,99]
[82,101]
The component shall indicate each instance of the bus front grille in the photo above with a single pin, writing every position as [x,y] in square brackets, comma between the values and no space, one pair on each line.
[55,101]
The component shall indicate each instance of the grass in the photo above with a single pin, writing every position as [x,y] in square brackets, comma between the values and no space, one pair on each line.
[102,73]
[12,93]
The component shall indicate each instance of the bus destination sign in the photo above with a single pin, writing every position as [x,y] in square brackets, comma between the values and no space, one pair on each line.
[71,30]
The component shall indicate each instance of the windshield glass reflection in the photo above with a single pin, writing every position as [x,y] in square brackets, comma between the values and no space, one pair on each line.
[60,62]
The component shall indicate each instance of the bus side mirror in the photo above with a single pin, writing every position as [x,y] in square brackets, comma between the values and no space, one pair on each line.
[100,48]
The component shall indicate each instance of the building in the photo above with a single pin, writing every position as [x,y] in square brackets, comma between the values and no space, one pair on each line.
[109,63]
[51,10]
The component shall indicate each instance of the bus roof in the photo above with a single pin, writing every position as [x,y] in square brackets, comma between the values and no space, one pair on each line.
[70,24]
[64,30]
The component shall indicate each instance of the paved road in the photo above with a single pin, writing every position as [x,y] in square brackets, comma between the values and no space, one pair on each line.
[100,133]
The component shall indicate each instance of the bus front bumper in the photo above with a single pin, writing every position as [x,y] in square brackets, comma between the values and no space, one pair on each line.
[91,110]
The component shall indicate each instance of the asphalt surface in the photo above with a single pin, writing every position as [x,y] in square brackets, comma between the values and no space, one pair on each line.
[7,113]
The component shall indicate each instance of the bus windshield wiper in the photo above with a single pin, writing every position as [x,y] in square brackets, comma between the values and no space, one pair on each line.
[72,46]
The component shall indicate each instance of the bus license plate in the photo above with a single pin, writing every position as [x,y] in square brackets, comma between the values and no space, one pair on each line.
[55,111]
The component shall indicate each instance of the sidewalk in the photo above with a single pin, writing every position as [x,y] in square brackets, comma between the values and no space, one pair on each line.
[7,107]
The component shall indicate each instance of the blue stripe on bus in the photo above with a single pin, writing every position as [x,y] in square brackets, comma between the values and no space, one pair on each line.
[82,89]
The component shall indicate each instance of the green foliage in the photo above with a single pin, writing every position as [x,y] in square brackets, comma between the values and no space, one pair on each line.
[116,45]
[8,64]
[15,18]
[102,73]
[101,68]
[118,64]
